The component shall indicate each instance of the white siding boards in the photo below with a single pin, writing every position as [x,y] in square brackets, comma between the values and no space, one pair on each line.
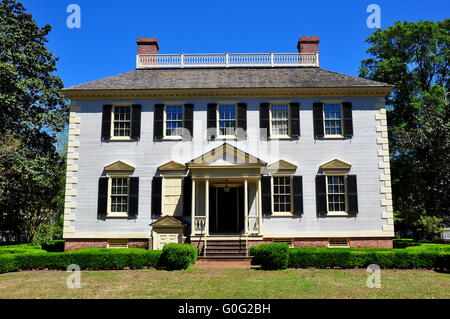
[363,145]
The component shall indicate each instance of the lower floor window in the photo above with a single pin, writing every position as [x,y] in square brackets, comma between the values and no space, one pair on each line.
[282,194]
[119,195]
[336,193]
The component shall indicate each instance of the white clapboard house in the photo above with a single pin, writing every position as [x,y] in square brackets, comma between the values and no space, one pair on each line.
[226,151]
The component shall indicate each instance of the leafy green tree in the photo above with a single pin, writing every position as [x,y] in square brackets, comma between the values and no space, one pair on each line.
[415,57]
[33,112]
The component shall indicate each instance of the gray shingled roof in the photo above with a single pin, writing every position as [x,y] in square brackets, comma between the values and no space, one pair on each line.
[212,78]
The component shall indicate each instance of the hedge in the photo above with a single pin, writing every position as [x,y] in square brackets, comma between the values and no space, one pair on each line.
[178,256]
[89,258]
[270,256]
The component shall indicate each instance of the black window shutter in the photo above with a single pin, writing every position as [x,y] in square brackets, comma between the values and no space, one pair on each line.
[266,197]
[295,119]
[321,195]
[212,121]
[264,126]
[297,185]
[348,119]
[189,118]
[102,205]
[187,196]
[156,196]
[318,120]
[158,126]
[134,197]
[242,120]
[352,195]
[136,121]
[106,122]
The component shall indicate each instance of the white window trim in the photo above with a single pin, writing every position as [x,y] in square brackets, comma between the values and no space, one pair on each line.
[226,137]
[333,136]
[283,136]
[272,187]
[110,177]
[113,111]
[172,137]
[337,213]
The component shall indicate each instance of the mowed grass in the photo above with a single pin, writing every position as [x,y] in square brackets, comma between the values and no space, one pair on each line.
[204,283]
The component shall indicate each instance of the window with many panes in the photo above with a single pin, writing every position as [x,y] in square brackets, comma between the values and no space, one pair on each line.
[279,114]
[332,119]
[336,193]
[119,195]
[227,119]
[282,194]
[122,121]
[174,120]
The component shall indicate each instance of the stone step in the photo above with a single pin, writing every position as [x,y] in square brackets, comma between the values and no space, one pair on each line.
[228,252]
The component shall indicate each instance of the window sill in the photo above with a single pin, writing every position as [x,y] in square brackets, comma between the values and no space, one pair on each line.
[121,138]
[333,137]
[117,215]
[281,137]
[172,138]
[337,214]
[285,214]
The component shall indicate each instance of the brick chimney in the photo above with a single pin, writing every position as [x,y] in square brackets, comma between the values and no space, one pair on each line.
[308,44]
[147,45]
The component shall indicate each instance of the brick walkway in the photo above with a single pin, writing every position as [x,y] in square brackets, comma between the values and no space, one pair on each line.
[224,264]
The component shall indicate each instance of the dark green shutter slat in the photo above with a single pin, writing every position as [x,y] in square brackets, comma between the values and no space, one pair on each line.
[321,195]
[297,185]
[242,120]
[156,196]
[158,126]
[102,205]
[295,119]
[318,120]
[134,197]
[264,126]
[187,196]
[266,197]
[212,121]
[352,195]
[189,118]
[348,119]
[106,122]
[136,121]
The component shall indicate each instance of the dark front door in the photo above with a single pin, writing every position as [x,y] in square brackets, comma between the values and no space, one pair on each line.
[227,210]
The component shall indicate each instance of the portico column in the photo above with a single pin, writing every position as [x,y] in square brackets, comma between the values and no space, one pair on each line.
[259,212]
[207,207]
[246,206]
[193,208]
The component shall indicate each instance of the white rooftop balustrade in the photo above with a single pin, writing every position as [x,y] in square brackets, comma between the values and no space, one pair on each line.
[226,60]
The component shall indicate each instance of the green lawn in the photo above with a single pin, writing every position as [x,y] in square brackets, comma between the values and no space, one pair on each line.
[226,283]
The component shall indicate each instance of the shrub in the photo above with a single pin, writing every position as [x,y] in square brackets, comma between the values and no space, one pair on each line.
[90,258]
[53,246]
[270,256]
[178,256]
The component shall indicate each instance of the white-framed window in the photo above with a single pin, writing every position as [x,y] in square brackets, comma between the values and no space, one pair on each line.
[226,120]
[336,194]
[282,195]
[332,117]
[173,120]
[279,120]
[121,119]
[118,199]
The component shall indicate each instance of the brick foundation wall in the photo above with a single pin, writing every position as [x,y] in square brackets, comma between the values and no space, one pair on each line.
[353,242]
[73,244]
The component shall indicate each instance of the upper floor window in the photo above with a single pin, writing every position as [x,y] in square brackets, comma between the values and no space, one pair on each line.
[122,121]
[282,194]
[336,194]
[227,119]
[279,120]
[332,119]
[174,120]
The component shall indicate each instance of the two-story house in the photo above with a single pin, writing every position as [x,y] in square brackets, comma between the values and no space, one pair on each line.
[228,148]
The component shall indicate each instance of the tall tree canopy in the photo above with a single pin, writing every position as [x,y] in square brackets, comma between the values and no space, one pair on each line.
[415,57]
[33,112]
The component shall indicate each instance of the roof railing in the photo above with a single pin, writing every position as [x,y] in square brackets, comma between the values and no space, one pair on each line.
[227,60]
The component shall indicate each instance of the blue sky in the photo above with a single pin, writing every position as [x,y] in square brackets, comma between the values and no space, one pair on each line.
[105,44]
